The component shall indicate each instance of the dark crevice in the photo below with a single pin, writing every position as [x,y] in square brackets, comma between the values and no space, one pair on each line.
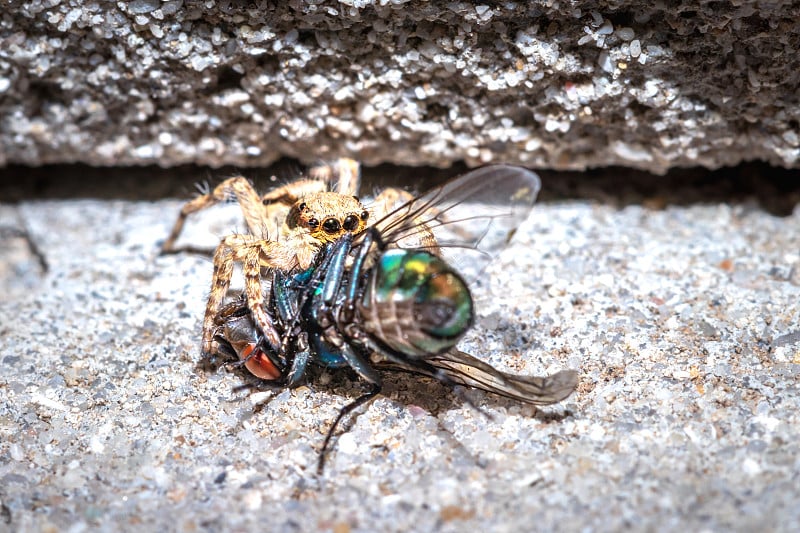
[776,190]
[228,79]
[42,93]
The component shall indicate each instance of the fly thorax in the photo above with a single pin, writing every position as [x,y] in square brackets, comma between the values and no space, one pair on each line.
[416,304]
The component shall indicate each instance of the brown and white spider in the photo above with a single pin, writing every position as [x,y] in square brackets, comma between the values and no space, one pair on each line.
[286,228]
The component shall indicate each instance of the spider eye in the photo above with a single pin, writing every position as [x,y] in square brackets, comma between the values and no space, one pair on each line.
[350,223]
[331,225]
[313,223]
[302,206]
[364,215]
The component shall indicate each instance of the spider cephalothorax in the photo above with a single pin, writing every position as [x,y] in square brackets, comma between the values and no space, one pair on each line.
[328,215]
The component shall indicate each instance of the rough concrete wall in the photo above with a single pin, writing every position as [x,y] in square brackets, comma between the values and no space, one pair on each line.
[544,83]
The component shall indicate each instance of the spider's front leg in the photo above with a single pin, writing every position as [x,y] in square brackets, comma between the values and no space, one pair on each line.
[246,196]
[254,255]
[342,176]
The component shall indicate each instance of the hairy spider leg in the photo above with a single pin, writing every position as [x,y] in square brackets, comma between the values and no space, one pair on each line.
[264,214]
[254,214]
[254,254]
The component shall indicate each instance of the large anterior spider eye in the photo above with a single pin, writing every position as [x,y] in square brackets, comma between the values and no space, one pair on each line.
[313,223]
[350,223]
[331,225]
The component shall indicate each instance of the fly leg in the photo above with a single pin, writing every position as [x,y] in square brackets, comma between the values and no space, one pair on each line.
[302,355]
[290,296]
[347,309]
[324,310]
[347,409]
[334,274]
[360,363]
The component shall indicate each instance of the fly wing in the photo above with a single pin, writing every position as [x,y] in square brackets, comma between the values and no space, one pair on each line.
[472,217]
[463,369]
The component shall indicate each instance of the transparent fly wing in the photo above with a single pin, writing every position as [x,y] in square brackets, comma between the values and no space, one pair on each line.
[471,217]
[463,369]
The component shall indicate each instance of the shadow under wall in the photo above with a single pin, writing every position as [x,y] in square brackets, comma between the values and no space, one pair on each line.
[775,190]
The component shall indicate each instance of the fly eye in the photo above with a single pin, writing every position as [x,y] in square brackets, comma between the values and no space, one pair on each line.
[350,223]
[364,215]
[313,223]
[302,206]
[331,225]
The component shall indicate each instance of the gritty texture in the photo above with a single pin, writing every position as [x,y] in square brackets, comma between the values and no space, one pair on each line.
[682,318]
[548,84]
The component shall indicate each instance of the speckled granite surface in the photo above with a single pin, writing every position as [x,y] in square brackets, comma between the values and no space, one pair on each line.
[682,317]
[543,83]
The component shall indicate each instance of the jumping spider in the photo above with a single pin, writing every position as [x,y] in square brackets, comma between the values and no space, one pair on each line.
[287,226]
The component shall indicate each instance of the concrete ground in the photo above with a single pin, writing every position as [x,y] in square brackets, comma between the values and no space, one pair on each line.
[678,306]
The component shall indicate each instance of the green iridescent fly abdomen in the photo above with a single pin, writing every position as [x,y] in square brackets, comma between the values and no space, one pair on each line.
[416,304]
